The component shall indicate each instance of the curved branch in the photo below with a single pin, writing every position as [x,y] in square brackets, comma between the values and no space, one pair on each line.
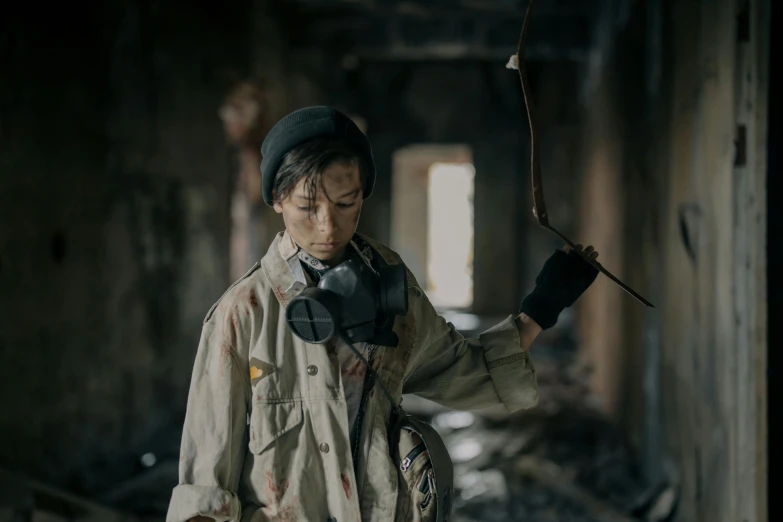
[539,205]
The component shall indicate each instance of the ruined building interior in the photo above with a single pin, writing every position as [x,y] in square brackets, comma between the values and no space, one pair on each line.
[129,201]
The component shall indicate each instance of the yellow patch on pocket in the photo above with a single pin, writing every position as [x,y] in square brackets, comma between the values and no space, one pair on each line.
[259,370]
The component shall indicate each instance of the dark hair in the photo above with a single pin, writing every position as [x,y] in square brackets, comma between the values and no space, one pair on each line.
[309,160]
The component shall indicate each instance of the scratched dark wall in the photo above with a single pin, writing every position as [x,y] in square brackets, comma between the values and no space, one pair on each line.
[114,227]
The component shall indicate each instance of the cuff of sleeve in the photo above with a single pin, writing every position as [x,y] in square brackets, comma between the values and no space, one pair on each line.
[188,501]
[510,368]
[541,310]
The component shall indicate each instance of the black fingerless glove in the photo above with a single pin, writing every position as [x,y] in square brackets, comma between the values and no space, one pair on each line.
[564,277]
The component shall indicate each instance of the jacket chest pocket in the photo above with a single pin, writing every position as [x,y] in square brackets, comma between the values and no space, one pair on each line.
[271,424]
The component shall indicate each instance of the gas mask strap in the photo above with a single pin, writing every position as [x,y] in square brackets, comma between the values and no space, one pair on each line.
[361,255]
[369,369]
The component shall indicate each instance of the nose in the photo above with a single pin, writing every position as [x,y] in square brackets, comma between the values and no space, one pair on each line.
[326,221]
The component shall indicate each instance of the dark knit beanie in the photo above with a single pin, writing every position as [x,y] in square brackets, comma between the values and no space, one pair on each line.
[304,125]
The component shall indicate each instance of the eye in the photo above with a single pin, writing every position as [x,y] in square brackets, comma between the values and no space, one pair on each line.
[345,205]
[304,209]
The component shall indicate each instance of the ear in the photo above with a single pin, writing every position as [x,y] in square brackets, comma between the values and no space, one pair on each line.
[276,204]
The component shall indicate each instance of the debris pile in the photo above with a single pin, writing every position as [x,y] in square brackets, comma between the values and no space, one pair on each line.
[567,466]
[560,462]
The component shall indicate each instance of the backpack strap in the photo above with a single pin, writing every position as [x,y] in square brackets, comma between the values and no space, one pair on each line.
[439,470]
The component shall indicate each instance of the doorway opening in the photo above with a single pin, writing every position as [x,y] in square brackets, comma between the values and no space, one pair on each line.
[450,235]
[432,220]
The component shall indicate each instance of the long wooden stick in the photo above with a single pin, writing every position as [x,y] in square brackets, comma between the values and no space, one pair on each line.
[539,206]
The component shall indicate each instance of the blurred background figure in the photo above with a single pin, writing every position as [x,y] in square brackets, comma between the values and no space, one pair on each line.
[130,200]
[245,119]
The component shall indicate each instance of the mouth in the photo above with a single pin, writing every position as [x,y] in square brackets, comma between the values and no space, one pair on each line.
[328,246]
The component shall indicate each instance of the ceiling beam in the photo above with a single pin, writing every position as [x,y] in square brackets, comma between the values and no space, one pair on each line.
[407,38]
[450,52]
[439,9]
[561,30]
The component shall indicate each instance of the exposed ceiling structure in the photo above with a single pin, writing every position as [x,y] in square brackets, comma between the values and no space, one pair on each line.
[443,29]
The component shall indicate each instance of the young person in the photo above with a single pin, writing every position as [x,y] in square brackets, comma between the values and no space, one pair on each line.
[279,429]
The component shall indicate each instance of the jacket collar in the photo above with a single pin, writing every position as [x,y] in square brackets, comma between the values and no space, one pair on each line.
[282,269]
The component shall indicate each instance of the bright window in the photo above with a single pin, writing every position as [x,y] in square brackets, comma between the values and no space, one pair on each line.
[450,234]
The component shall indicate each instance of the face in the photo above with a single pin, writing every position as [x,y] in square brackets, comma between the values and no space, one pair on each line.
[325,226]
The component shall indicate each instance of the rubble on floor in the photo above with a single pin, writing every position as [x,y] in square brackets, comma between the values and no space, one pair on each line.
[567,466]
[560,462]
[24,500]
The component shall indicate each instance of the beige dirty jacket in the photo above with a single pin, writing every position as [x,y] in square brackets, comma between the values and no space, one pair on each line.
[266,433]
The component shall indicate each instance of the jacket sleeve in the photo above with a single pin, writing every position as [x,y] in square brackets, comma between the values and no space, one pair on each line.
[468,374]
[214,433]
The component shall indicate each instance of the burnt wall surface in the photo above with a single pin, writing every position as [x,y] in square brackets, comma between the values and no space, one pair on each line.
[774,257]
[114,226]
[677,128]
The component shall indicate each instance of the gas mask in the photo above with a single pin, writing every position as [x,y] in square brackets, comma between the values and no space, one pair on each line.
[346,303]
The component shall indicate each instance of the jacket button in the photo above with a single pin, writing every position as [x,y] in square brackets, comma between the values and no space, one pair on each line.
[324,447]
[312,370]
[331,519]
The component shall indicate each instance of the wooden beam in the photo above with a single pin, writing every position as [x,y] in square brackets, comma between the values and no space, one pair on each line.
[403,37]
[750,283]
[435,10]
[445,52]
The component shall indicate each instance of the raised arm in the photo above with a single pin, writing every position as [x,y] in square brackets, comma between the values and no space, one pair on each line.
[467,374]
[494,368]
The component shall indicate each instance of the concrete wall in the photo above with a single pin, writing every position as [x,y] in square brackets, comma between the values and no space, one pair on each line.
[115,183]
[675,179]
